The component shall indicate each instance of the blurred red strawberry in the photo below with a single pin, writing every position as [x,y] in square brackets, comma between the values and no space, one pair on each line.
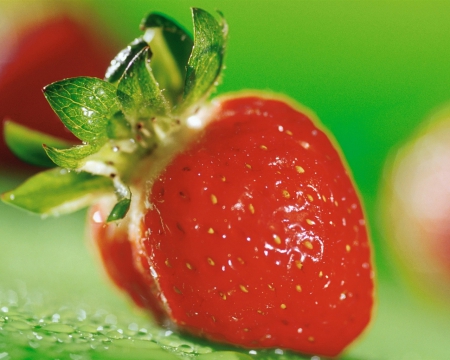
[57,48]
[416,205]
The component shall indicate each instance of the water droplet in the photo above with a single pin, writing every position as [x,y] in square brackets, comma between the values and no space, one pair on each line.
[91,329]
[111,319]
[115,334]
[87,112]
[81,314]
[186,348]
[33,344]
[133,327]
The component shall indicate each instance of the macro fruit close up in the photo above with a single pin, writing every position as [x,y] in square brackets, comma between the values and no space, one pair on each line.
[234,219]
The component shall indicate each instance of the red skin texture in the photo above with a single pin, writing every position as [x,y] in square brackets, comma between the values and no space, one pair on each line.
[309,290]
[56,49]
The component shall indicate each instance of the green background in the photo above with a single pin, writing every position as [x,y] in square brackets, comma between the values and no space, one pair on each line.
[372,71]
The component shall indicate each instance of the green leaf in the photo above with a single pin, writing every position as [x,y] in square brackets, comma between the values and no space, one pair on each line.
[123,59]
[26,144]
[118,127]
[84,105]
[171,46]
[206,61]
[119,210]
[138,91]
[58,191]
[71,158]
[224,355]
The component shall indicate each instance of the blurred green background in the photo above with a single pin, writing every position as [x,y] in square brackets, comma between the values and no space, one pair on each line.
[372,71]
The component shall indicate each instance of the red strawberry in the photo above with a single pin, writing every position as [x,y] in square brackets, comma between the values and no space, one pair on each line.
[416,205]
[255,236]
[114,249]
[244,226]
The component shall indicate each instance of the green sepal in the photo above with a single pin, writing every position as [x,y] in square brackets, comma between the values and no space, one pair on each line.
[119,210]
[119,127]
[26,144]
[120,120]
[207,58]
[138,91]
[84,105]
[71,158]
[171,46]
[123,59]
[58,191]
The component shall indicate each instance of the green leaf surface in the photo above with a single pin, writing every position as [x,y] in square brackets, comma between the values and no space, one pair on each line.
[138,91]
[206,61]
[123,59]
[84,105]
[119,127]
[33,329]
[171,46]
[119,210]
[225,355]
[26,144]
[58,191]
[71,158]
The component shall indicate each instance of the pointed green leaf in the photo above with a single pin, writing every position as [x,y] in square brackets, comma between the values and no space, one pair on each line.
[84,105]
[123,59]
[71,158]
[26,144]
[120,210]
[206,61]
[58,191]
[171,46]
[138,90]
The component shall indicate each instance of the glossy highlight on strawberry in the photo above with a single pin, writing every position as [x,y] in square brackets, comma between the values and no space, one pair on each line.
[233,219]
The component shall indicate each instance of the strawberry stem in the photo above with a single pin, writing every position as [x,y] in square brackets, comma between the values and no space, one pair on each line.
[158,79]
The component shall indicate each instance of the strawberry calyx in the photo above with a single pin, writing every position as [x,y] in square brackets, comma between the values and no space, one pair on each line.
[148,93]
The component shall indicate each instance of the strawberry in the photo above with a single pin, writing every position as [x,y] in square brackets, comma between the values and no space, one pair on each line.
[115,252]
[58,47]
[415,205]
[237,219]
